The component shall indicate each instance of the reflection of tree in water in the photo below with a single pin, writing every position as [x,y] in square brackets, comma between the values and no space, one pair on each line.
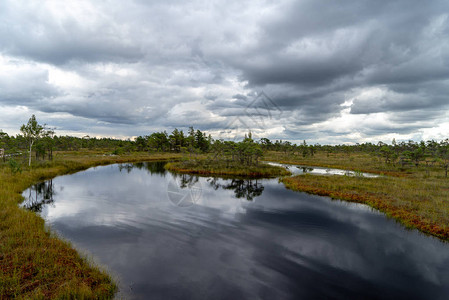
[306,169]
[186,180]
[156,167]
[243,188]
[214,182]
[40,194]
[128,167]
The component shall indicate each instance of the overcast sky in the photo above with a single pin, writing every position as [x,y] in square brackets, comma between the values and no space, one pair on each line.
[328,71]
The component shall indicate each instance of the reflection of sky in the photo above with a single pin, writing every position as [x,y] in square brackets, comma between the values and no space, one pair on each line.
[280,245]
[297,170]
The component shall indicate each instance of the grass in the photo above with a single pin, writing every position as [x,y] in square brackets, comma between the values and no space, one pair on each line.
[34,262]
[225,168]
[362,162]
[417,197]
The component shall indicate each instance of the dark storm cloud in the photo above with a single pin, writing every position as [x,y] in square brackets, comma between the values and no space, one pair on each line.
[240,97]
[425,96]
[39,34]
[156,64]
[28,87]
[426,118]
[398,129]
[349,45]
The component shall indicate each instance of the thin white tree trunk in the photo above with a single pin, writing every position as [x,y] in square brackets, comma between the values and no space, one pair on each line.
[29,161]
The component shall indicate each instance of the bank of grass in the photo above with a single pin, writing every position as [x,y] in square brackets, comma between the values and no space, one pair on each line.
[417,197]
[362,162]
[225,168]
[34,263]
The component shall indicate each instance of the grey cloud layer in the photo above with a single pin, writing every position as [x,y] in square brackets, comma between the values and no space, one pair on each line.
[199,63]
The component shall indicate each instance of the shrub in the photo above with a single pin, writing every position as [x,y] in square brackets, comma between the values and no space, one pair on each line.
[14,166]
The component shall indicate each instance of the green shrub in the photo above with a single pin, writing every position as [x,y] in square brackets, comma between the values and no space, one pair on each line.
[14,166]
[118,151]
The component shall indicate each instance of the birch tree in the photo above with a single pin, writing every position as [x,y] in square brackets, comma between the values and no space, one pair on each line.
[32,131]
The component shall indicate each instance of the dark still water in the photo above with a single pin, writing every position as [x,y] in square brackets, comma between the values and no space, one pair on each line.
[184,237]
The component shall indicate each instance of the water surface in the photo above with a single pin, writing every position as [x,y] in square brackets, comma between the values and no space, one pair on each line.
[186,237]
[299,170]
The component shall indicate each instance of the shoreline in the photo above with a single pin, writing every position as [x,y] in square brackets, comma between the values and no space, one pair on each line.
[410,197]
[34,261]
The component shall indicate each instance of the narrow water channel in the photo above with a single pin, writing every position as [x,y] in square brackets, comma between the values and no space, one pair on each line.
[166,236]
[300,170]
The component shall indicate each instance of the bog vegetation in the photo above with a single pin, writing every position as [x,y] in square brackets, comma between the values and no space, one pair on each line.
[35,263]
[398,156]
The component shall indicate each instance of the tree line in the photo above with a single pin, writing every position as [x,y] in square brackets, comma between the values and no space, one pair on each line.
[43,141]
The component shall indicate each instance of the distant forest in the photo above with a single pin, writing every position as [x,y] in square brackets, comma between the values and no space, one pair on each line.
[402,153]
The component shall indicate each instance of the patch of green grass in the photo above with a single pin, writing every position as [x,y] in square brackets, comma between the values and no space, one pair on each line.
[34,263]
[226,168]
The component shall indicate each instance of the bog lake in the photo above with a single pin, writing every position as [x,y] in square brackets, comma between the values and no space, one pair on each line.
[168,236]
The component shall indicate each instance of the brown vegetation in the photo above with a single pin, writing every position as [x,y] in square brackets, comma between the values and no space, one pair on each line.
[415,197]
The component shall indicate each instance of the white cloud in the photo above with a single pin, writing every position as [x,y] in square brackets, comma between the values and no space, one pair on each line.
[361,73]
